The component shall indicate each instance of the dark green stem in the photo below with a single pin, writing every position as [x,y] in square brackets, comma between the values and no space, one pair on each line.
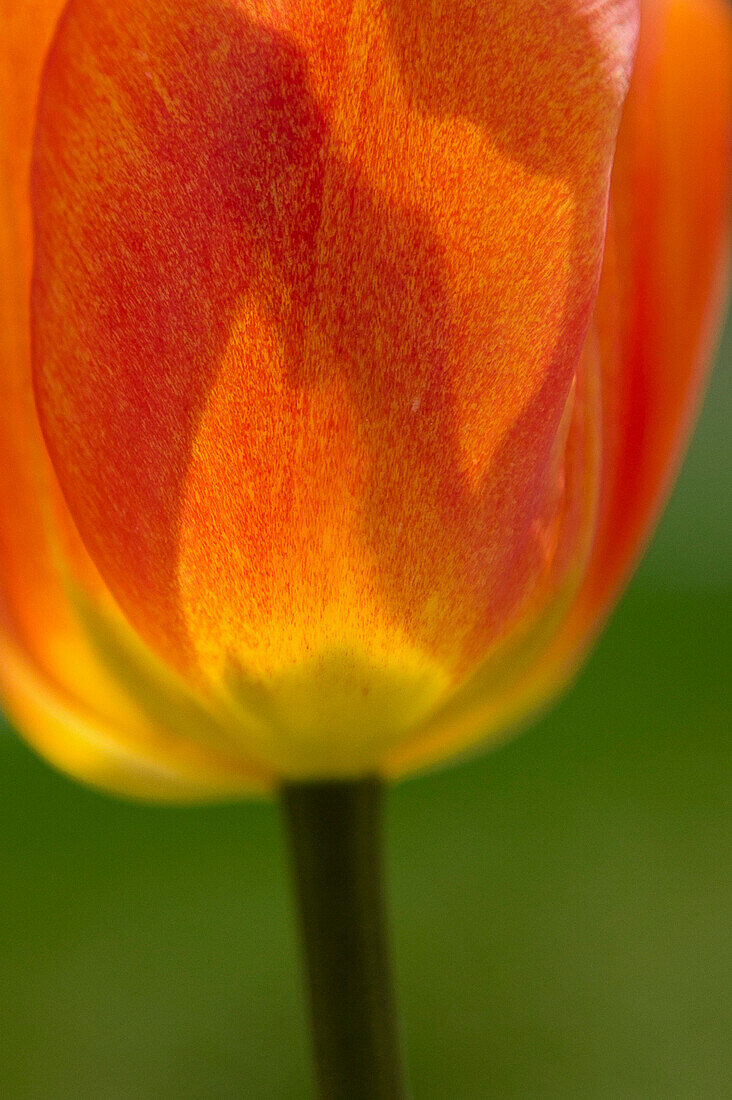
[335,838]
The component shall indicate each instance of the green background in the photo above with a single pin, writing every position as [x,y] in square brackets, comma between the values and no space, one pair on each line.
[561,907]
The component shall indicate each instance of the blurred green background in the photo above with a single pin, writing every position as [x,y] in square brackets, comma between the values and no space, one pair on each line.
[562,907]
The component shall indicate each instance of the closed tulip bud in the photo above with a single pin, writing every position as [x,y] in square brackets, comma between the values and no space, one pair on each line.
[348,350]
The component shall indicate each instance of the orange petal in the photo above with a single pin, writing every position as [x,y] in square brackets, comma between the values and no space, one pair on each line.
[664,287]
[658,313]
[84,692]
[26,30]
[311,286]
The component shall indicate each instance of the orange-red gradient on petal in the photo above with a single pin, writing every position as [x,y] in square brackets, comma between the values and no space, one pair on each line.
[310,292]
[75,681]
[660,304]
[665,283]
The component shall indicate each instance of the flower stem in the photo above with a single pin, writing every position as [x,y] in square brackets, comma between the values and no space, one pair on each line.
[335,839]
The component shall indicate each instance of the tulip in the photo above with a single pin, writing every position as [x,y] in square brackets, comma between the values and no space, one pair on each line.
[349,349]
[339,457]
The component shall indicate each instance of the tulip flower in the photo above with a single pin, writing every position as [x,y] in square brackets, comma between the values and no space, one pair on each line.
[339,458]
[348,352]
